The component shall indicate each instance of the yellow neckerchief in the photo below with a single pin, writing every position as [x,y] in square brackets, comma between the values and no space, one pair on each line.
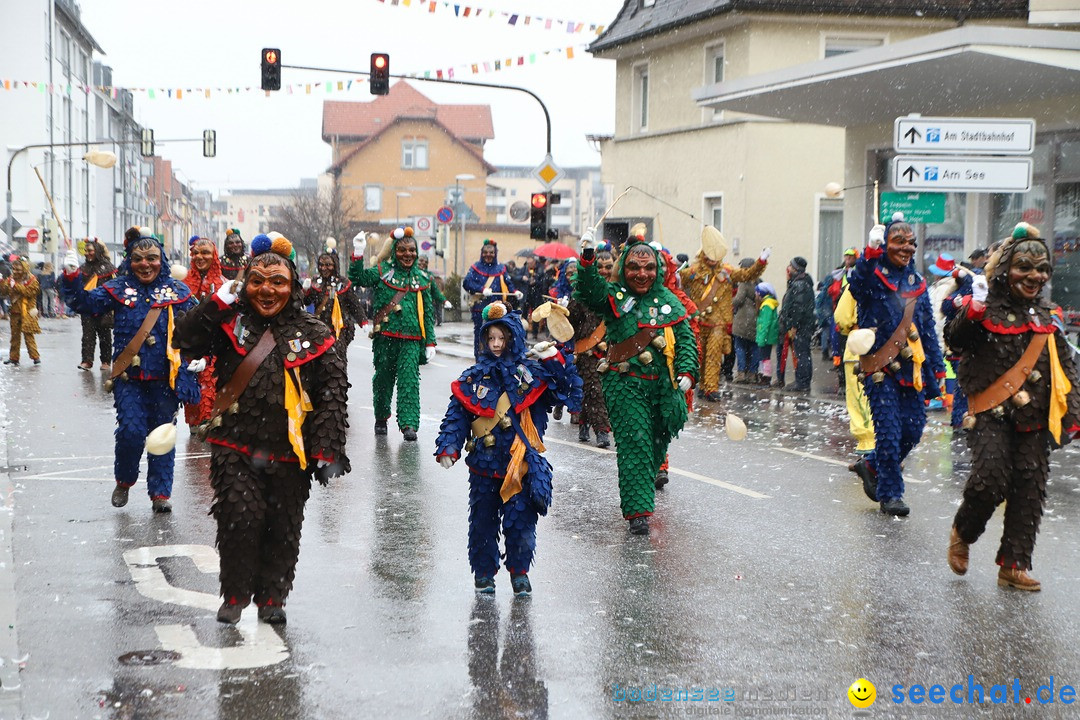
[1060,387]
[420,312]
[669,352]
[335,315]
[297,406]
[91,283]
[517,468]
[172,353]
[918,357]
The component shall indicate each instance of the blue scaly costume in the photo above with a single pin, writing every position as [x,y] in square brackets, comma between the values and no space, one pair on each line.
[532,387]
[896,402]
[151,390]
[486,275]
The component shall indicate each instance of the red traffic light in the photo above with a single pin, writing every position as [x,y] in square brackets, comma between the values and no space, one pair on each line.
[380,61]
[271,57]
[539,200]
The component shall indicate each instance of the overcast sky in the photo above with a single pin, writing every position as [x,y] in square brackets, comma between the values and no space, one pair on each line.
[273,142]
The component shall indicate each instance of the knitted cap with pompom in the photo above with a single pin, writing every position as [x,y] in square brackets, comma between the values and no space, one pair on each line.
[494,311]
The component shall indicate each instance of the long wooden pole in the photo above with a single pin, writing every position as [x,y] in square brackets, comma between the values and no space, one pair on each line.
[52,205]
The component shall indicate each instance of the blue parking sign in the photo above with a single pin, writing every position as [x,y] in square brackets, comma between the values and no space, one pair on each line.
[931,173]
[933,135]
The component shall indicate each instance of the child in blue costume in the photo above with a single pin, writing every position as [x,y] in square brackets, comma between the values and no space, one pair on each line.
[149,390]
[488,280]
[899,374]
[498,413]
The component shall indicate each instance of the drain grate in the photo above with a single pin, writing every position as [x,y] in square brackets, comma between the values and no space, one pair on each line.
[149,657]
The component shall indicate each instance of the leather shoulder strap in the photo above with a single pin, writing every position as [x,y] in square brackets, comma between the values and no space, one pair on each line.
[241,378]
[1012,381]
[633,345]
[123,360]
[888,352]
[587,343]
[386,309]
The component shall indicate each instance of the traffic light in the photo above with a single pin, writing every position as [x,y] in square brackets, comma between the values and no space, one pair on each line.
[147,142]
[538,216]
[271,69]
[380,73]
[209,143]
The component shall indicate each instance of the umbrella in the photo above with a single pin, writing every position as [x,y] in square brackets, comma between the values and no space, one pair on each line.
[526,253]
[554,251]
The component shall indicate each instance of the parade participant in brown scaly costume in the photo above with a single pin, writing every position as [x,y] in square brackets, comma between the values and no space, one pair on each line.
[335,301]
[204,278]
[1023,398]
[22,289]
[282,395]
[233,259]
[97,270]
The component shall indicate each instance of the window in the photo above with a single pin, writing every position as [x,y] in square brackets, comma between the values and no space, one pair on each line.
[648,3]
[641,96]
[414,154]
[830,233]
[373,198]
[842,44]
[714,73]
[714,210]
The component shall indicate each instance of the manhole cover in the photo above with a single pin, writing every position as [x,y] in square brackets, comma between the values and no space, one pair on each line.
[149,657]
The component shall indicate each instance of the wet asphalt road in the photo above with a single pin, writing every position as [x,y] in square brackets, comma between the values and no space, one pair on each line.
[768,575]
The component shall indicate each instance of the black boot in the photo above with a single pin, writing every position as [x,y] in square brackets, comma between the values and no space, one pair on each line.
[868,476]
[583,433]
[603,440]
[380,426]
[639,525]
[661,479]
[409,434]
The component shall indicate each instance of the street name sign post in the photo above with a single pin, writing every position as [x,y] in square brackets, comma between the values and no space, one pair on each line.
[976,136]
[961,173]
[924,207]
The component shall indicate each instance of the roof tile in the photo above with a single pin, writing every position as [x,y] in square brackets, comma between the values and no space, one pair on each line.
[359,120]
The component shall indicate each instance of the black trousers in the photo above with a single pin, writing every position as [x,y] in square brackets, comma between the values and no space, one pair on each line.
[96,330]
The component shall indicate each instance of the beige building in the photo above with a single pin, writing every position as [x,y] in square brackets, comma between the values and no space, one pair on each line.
[760,179]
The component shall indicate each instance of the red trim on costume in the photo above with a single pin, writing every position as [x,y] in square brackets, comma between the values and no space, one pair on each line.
[688,375]
[871,253]
[319,456]
[670,324]
[230,333]
[636,515]
[115,297]
[631,373]
[387,333]
[915,292]
[220,303]
[884,280]
[453,455]
[245,450]
[481,272]
[614,308]
[975,309]
[408,288]
[71,275]
[940,375]
[456,391]
[1018,329]
[313,352]
[529,399]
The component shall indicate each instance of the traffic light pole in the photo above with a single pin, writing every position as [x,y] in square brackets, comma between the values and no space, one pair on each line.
[547,116]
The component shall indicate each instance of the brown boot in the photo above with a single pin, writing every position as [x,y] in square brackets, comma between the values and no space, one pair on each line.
[958,553]
[1017,578]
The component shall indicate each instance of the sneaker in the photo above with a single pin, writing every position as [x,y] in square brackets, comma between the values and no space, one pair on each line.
[522,586]
[661,480]
[37,361]
[11,362]
[485,585]
[603,440]
[895,507]
[639,525]
[161,504]
[272,614]
[230,612]
[583,433]
[409,434]
[380,427]
[869,478]
[1019,579]
[557,412]
[120,495]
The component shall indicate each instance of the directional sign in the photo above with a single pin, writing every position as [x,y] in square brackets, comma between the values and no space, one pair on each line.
[978,136]
[961,173]
[548,172]
[927,207]
[10,226]
[445,214]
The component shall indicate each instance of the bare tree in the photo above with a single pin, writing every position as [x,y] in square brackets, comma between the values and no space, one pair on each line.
[311,217]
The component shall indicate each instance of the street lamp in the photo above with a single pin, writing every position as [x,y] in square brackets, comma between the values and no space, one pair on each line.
[459,246]
[397,206]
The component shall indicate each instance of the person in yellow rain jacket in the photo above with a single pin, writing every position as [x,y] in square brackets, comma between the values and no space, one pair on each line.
[860,421]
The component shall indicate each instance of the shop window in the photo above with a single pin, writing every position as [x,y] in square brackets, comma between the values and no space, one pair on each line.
[373,198]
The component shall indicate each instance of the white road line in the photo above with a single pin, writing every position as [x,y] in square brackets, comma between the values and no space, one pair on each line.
[841,463]
[24,461]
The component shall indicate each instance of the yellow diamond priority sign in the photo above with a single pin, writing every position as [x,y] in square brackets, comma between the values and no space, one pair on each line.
[548,172]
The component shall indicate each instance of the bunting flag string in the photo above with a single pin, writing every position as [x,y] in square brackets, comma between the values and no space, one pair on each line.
[329,86]
[514,19]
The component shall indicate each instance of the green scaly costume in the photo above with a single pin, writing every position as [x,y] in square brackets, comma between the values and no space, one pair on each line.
[398,342]
[644,403]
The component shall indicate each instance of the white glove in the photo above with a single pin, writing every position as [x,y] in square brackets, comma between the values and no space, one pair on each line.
[447,462]
[876,238]
[545,350]
[765,253]
[588,239]
[358,243]
[226,293]
[518,294]
[197,366]
[564,300]
[71,261]
[306,284]
[486,292]
[685,383]
[979,288]
[446,305]
[429,353]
